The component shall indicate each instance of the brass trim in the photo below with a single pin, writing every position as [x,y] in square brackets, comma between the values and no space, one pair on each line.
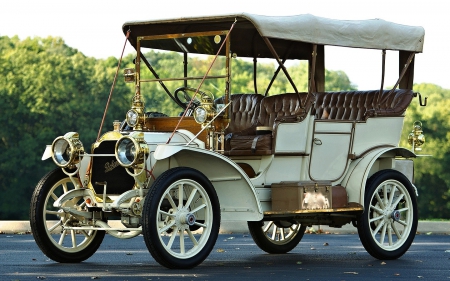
[291,154]
[183,35]
[184,78]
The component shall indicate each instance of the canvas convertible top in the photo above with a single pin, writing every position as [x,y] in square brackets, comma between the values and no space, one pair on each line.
[304,28]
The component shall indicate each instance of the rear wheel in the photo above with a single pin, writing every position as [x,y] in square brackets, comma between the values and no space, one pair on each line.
[276,237]
[388,225]
[47,222]
[181,218]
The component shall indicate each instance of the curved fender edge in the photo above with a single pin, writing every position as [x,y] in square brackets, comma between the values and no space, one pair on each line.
[361,169]
[237,195]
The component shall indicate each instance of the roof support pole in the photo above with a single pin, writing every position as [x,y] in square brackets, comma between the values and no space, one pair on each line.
[407,81]
[280,63]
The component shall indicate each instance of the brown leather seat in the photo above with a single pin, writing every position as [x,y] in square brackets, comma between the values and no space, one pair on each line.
[272,108]
[244,111]
[360,105]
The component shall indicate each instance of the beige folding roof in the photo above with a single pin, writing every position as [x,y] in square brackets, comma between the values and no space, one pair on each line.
[305,28]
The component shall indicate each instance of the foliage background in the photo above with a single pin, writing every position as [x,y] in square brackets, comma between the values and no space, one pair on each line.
[48,88]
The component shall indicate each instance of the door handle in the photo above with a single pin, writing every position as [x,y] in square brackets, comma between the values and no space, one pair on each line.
[317,141]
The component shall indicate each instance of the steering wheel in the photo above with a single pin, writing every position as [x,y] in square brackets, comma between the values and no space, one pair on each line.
[183,96]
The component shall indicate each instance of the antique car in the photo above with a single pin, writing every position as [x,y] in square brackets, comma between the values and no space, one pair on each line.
[280,161]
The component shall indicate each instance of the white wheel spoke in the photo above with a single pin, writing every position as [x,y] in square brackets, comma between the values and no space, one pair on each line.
[74,239]
[396,231]
[282,233]
[165,213]
[199,208]
[378,228]
[274,232]
[376,218]
[385,195]
[54,226]
[182,247]
[53,195]
[391,195]
[200,224]
[402,223]
[383,234]
[180,195]
[191,197]
[172,238]
[380,201]
[61,239]
[267,227]
[403,209]
[192,237]
[398,199]
[375,208]
[165,228]
[172,203]
[49,212]
[390,236]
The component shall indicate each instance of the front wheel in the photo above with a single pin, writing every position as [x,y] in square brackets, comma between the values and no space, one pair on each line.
[276,237]
[46,220]
[181,218]
[389,222]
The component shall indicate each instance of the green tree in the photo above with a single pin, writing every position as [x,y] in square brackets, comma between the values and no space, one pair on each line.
[431,172]
[47,89]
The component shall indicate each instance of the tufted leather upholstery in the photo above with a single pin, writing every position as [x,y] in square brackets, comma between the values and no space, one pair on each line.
[359,105]
[244,111]
[241,134]
[252,110]
[273,107]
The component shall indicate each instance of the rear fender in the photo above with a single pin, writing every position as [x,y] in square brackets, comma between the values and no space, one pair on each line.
[378,159]
[237,195]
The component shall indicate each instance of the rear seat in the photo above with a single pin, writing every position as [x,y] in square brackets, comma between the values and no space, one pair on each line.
[360,105]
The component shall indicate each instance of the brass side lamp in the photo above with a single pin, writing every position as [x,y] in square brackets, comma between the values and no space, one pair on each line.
[416,139]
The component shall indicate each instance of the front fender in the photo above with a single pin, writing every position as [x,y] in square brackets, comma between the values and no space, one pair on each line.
[237,195]
[361,169]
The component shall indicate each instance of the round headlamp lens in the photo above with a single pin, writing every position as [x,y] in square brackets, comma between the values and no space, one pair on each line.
[62,152]
[200,114]
[132,118]
[126,152]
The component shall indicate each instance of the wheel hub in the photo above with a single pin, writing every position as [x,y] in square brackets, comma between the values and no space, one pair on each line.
[186,218]
[396,215]
[190,219]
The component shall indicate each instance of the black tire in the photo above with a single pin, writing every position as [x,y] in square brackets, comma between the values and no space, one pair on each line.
[59,247]
[276,237]
[388,225]
[169,218]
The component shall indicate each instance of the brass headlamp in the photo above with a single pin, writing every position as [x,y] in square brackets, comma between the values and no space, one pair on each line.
[135,117]
[67,150]
[131,150]
[416,138]
[205,112]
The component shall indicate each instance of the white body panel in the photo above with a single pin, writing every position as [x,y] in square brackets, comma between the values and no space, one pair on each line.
[237,196]
[330,149]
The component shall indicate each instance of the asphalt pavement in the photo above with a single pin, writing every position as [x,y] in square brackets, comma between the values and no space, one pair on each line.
[228,227]
[235,257]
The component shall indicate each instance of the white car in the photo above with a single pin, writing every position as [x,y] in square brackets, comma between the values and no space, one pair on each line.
[280,162]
